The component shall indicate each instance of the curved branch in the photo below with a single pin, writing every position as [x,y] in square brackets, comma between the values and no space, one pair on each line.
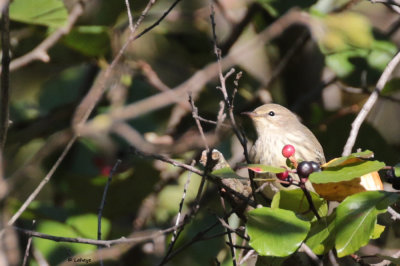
[40,52]
[355,126]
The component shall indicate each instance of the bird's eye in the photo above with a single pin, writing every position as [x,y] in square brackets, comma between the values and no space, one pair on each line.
[271,113]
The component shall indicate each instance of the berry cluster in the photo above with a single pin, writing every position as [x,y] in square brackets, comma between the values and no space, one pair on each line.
[304,169]
[393,179]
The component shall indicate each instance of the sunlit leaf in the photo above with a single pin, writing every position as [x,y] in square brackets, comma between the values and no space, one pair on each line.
[346,159]
[356,218]
[50,13]
[275,232]
[86,225]
[345,172]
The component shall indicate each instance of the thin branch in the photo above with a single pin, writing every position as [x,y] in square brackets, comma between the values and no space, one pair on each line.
[175,234]
[42,184]
[229,104]
[247,256]
[306,249]
[198,237]
[197,81]
[103,201]
[387,2]
[195,114]
[40,52]
[355,126]
[395,215]
[228,231]
[130,18]
[190,168]
[106,243]
[28,247]
[5,77]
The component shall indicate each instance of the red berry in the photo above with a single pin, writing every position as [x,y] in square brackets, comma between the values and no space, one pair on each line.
[288,150]
[283,176]
[105,170]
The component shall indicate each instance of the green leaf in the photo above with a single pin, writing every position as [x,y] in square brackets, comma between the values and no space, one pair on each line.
[381,54]
[338,161]
[226,172]
[378,230]
[321,237]
[275,232]
[295,200]
[396,169]
[278,7]
[391,86]
[86,225]
[345,172]
[50,13]
[260,168]
[89,40]
[356,218]
[56,252]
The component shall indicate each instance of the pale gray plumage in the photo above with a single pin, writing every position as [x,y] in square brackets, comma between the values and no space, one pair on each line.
[276,127]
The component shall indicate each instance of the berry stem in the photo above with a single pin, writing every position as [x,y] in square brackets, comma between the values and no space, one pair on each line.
[309,199]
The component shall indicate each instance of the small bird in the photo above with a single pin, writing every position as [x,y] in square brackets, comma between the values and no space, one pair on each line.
[276,127]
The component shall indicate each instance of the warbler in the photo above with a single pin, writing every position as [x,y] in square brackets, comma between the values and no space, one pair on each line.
[276,127]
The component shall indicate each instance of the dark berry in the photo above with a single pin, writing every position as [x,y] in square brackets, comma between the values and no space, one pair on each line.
[396,184]
[304,169]
[390,173]
[283,176]
[288,179]
[288,150]
[316,167]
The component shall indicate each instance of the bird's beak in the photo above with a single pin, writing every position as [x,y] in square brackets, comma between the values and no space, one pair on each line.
[251,114]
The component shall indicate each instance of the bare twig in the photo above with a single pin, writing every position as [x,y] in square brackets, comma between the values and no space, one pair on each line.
[224,221]
[3,3]
[178,218]
[387,2]
[130,18]
[311,254]
[152,76]
[198,237]
[229,104]
[5,78]
[199,172]
[197,81]
[87,105]
[28,247]
[355,126]
[332,258]
[42,184]
[247,256]
[103,201]
[195,114]
[151,235]
[395,215]
[221,116]
[40,52]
